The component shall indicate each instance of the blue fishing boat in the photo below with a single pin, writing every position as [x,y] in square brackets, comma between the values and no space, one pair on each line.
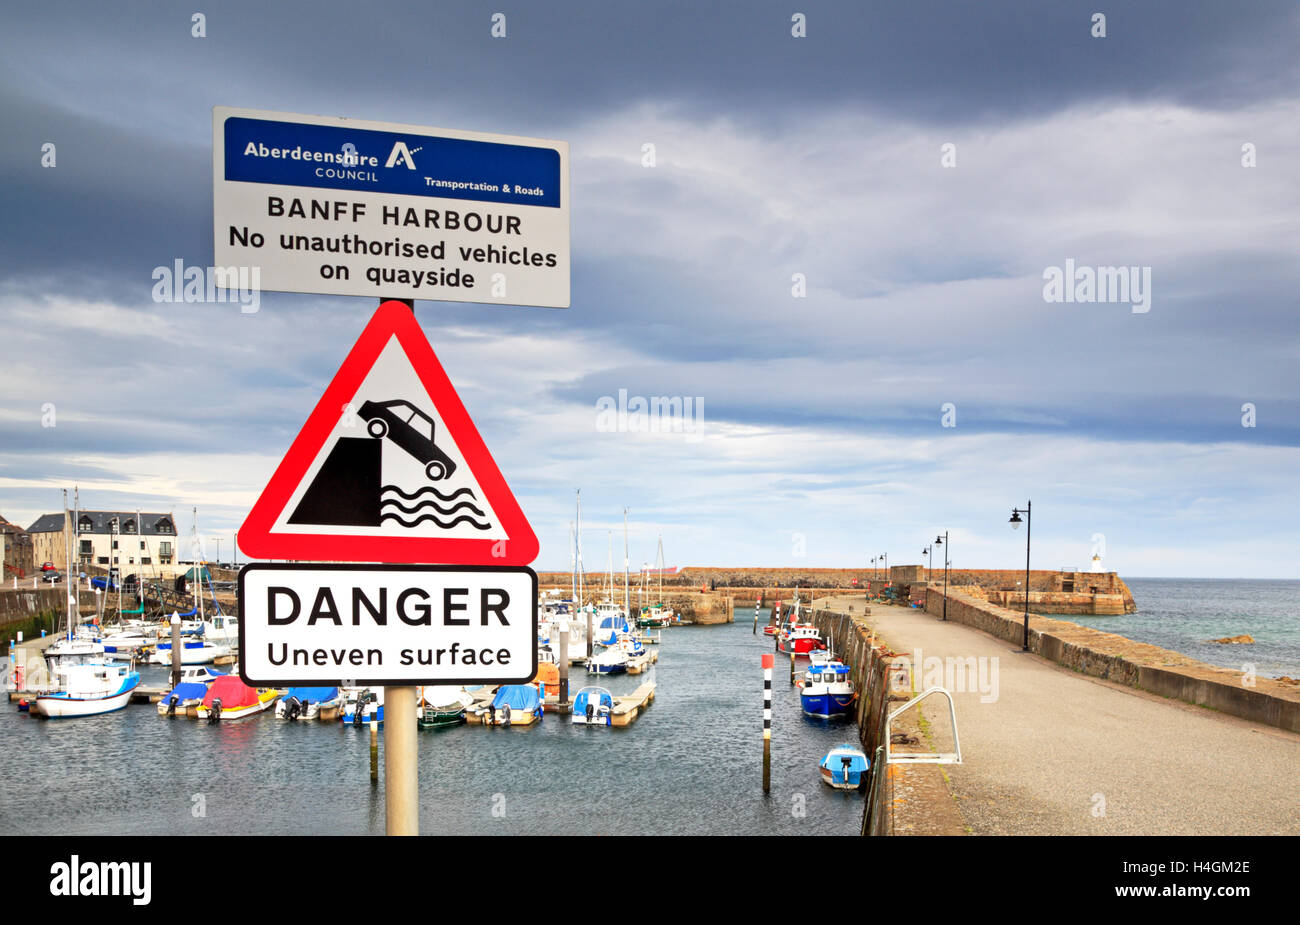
[593,706]
[845,767]
[826,689]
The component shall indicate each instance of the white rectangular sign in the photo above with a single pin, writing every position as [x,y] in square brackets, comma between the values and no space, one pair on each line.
[327,624]
[349,207]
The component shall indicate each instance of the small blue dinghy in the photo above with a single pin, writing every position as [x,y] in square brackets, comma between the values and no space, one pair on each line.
[845,767]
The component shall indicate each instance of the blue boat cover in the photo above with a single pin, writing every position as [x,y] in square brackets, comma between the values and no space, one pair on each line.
[187,690]
[313,694]
[517,697]
[580,701]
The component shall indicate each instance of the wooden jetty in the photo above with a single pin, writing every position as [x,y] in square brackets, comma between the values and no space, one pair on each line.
[630,706]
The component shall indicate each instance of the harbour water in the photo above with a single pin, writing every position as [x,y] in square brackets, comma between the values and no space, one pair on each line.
[1185,614]
[691,764]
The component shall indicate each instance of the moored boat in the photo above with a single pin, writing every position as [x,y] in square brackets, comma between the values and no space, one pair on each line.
[360,705]
[593,706]
[612,661]
[229,698]
[87,689]
[193,652]
[801,639]
[845,767]
[304,702]
[442,706]
[513,705]
[182,698]
[826,689]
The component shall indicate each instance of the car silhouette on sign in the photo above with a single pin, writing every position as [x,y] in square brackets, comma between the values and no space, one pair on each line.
[412,430]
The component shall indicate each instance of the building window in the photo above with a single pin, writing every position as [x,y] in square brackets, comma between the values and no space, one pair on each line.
[114,526]
[165,549]
[86,549]
[115,560]
[142,544]
[84,525]
[165,526]
[102,560]
[114,544]
[130,527]
[146,561]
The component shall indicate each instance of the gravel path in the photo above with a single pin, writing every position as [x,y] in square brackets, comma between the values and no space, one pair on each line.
[1059,753]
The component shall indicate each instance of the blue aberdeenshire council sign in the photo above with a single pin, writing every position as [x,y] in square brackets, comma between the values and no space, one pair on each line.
[332,206]
[294,154]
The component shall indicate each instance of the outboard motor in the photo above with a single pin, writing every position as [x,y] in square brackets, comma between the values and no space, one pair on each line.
[505,714]
[214,714]
[292,709]
[847,762]
[172,701]
[591,710]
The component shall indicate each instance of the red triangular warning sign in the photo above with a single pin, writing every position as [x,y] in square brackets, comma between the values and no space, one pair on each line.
[389,468]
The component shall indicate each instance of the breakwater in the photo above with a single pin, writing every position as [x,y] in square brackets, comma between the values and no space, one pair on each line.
[1134,664]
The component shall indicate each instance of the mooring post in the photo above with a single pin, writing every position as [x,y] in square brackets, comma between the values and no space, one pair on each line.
[564,663]
[755,619]
[176,648]
[768,661]
[401,774]
[374,747]
[792,663]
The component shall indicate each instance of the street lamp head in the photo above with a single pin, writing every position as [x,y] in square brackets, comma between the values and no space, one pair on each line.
[1015,520]
[938,541]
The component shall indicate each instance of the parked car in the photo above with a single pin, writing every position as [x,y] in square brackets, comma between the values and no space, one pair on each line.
[412,430]
[51,576]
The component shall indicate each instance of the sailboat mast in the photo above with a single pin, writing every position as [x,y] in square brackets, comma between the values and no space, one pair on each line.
[659,566]
[198,561]
[67,553]
[627,596]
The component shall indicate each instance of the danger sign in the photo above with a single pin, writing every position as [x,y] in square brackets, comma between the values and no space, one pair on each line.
[389,468]
[386,625]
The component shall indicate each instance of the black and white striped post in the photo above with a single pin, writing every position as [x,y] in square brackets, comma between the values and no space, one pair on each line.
[757,605]
[768,661]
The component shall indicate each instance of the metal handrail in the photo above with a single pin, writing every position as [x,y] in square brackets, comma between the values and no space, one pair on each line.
[953,757]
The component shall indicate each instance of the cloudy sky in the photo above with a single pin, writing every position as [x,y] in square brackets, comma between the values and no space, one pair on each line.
[823,439]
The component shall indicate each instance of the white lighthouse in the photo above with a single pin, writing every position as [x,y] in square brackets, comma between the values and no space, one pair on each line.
[1096,562]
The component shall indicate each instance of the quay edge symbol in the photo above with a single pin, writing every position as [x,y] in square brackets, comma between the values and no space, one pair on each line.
[389,468]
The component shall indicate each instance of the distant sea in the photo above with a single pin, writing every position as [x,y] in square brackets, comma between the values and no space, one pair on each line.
[1184,614]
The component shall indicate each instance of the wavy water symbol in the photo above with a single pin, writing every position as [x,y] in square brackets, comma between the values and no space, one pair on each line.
[446,515]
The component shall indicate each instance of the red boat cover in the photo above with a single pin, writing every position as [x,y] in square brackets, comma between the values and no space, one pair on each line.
[232,692]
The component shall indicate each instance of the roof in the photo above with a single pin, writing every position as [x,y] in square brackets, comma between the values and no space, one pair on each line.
[101,522]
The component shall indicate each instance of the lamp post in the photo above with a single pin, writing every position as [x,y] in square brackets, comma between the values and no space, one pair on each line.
[943,541]
[928,551]
[1015,525]
[884,556]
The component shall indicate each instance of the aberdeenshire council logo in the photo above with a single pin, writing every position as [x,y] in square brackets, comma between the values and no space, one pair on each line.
[103,878]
